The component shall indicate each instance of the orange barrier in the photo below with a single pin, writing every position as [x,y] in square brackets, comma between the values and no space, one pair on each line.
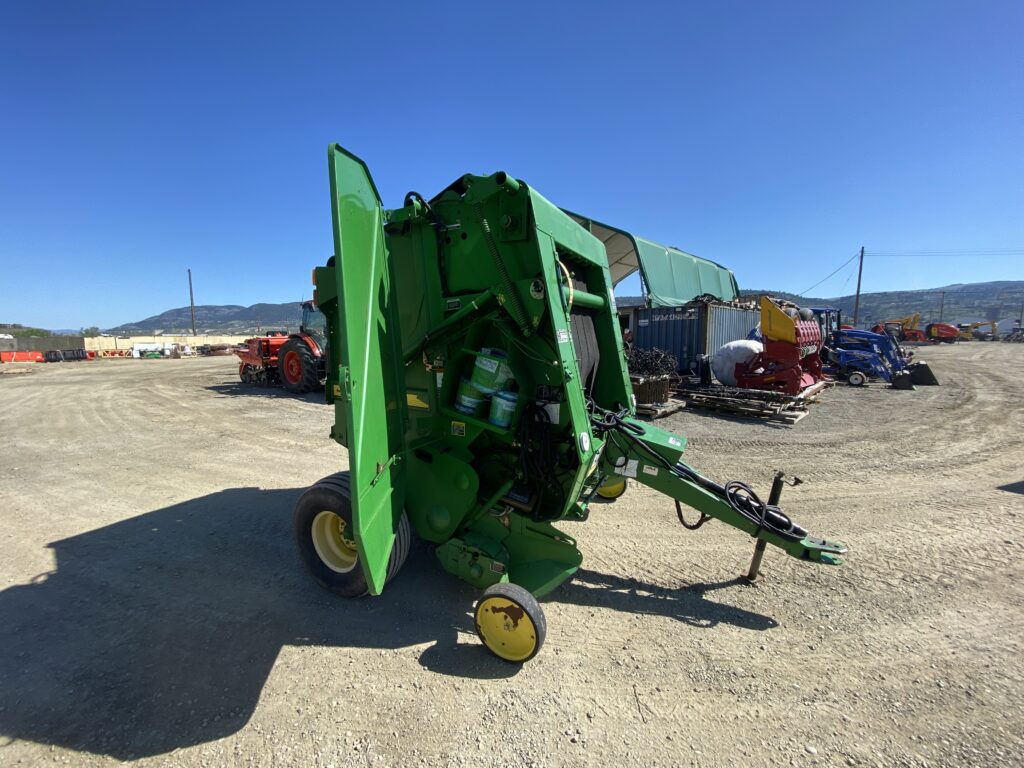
[21,357]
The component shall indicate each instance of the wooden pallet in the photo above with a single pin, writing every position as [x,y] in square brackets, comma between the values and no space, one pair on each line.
[751,403]
[787,413]
[659,410]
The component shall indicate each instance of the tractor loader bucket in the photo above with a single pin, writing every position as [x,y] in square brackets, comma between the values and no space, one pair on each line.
[902,380]
[921,373]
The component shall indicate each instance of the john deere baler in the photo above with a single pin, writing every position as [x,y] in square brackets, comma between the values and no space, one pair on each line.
[478,382]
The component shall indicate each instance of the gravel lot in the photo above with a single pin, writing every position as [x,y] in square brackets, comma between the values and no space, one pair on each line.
[153,608]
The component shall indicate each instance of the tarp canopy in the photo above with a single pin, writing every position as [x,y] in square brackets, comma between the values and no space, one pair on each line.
[671,277]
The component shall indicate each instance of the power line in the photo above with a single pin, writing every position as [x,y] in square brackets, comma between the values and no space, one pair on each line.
[984,252]
[804,293]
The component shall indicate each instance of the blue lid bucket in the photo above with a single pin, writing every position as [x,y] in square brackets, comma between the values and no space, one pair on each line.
[503,406]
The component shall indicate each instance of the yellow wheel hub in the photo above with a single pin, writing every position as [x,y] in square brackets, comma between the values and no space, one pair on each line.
[505,628]
[332,543]
[613,488]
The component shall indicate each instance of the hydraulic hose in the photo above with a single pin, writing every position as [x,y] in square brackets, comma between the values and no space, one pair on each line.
[739,496]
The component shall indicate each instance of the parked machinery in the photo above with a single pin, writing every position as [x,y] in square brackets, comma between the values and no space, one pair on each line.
[478,382]
[295,361]
[973,332]
[859,355]
[258,359]
[302,359]
[941,332]
[903,329]
[790,359]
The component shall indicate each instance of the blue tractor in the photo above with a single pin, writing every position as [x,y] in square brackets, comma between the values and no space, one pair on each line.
[861,355]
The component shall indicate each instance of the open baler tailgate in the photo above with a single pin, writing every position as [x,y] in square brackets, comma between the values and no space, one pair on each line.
[365,376]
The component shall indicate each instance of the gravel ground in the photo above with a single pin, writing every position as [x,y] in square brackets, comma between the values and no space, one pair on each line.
[154,610]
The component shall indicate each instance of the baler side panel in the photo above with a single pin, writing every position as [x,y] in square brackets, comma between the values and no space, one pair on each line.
[370,392]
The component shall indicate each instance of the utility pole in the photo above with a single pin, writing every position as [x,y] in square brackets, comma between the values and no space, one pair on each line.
[942,304]
[192,302]
[856,301]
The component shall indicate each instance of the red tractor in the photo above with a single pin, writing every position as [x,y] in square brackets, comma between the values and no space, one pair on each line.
[296,361]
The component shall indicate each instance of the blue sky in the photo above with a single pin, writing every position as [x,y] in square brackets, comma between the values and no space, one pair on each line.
[139,139]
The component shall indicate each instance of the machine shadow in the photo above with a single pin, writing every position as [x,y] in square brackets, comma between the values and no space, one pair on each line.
[1017,487]
[159,632]
[238,389]
[686,604]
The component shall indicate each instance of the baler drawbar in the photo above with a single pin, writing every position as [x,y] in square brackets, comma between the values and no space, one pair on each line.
[478,380]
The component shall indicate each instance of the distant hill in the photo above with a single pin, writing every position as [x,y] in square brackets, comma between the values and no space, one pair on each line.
[963,302]
[219,318]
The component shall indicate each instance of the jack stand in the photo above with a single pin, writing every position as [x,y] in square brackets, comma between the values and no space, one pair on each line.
[754,572]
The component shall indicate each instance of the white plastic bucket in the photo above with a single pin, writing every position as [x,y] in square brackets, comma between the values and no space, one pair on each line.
[491,371]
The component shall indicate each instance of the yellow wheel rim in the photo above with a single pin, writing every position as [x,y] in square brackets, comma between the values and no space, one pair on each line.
[505,628]
[612,489]
[332,544]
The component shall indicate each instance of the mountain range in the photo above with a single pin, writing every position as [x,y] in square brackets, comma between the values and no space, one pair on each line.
[959,303]
[220,319]
[1000,300]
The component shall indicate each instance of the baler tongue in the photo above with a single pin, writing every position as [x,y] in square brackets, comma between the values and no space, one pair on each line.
[824,551]
[921,373]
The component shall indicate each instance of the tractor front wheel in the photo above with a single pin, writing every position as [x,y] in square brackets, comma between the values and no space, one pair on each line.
[510,622]
[326,538]
[856,379]
[297,367]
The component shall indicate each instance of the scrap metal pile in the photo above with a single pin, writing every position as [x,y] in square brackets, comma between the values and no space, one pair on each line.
[650,362]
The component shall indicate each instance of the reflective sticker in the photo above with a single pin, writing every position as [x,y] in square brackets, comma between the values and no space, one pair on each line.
[563,336]
[649,470]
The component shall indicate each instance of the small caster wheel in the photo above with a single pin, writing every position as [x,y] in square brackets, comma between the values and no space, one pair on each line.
[510,623]
[612,488]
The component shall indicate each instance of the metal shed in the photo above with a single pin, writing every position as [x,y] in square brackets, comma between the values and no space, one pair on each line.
[671,277]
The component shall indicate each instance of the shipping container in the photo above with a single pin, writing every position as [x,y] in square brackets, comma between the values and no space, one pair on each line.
[674,329]
[693,329]
[724,324]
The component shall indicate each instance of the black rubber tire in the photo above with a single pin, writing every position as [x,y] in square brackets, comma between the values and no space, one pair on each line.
[332,494]
[524,600]
[308,379]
